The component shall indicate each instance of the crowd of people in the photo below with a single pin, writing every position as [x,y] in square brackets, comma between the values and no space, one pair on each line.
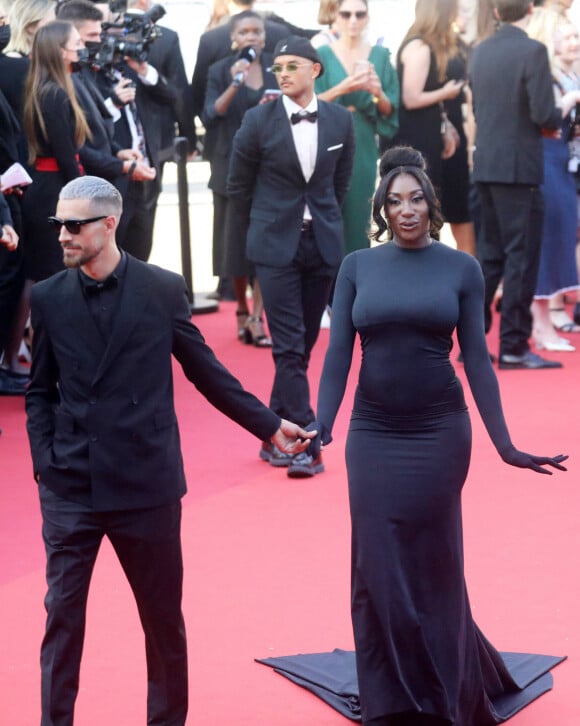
[297,135]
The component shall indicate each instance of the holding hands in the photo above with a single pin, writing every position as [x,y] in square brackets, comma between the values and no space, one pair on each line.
[291,438]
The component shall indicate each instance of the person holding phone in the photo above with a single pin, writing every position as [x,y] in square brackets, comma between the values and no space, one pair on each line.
[232,88]
[362,79]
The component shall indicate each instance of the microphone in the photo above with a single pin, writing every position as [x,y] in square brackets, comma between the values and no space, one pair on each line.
[248,55]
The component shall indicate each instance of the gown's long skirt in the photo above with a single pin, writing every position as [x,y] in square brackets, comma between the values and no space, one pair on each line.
[417,647]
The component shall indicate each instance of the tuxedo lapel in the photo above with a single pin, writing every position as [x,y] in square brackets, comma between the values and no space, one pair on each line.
[134,295]
[280,120]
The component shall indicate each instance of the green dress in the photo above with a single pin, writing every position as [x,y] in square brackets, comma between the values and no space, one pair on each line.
[356,211]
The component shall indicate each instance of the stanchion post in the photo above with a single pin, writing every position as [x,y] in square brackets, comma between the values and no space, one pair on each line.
[198,304]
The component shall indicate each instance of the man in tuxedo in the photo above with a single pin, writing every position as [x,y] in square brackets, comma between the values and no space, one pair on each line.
[513,101]
[289,171]
[105,441]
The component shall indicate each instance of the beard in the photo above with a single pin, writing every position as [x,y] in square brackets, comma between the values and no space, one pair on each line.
[81,258]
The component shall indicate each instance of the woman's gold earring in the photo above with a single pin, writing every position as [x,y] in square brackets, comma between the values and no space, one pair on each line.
[234,45]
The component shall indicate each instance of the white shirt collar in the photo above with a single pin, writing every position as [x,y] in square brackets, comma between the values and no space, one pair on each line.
[292,107]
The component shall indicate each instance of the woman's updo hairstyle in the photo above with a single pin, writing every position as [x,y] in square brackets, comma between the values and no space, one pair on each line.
[404,160]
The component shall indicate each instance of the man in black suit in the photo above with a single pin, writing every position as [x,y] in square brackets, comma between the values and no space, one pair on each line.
[289,171]
[101,155]
[134,91]
[165,55]
[513,101]
[105,441]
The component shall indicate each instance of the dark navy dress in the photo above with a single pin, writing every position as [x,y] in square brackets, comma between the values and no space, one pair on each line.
[408,452]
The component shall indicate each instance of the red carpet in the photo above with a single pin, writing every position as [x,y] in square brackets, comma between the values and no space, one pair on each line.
[267,559]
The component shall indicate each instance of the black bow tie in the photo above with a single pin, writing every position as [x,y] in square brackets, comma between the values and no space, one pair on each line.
[311,116]
[94,287]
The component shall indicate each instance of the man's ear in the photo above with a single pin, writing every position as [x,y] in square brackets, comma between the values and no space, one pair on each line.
[316,67]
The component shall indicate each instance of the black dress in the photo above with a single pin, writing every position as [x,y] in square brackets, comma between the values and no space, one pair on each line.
[408,451]
[43,255]
[455,170]
[421,127]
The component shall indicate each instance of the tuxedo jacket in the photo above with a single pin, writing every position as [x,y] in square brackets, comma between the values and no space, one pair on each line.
[101,417]
[268,191]
[513,100]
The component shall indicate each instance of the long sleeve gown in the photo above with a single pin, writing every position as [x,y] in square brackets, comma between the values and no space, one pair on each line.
[408,450]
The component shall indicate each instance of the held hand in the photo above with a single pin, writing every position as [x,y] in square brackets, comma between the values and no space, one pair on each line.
[291,439]
[536,463]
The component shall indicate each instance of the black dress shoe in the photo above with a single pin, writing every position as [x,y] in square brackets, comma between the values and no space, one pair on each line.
[303,465]
[271,453]
[529,360]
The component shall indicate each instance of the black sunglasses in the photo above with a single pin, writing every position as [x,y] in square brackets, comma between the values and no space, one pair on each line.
[72,225]
[358,14]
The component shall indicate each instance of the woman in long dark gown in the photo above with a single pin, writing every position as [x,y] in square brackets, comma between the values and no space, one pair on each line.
[420,657]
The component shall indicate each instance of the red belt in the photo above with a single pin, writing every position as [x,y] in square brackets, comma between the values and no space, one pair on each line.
[49,163]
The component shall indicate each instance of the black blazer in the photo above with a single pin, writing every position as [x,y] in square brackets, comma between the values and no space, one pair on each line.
[98,154]
[165,55]
[101,418]
[149,100]
[513,100]
[266,183]
[225,127]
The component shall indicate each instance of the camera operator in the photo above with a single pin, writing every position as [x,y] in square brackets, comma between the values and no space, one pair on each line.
[134,90]
[101,155]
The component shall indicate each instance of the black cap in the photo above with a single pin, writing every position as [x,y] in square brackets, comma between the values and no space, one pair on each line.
[302,47]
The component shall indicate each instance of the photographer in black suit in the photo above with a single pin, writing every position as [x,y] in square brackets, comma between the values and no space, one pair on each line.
[134,91]
[101,155]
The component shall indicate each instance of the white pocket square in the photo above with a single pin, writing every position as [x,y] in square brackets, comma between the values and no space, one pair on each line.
[334,148]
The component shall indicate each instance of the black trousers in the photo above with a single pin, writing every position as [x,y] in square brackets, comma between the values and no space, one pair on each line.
[294,299]
[148,545]
[513,217]
[135,232]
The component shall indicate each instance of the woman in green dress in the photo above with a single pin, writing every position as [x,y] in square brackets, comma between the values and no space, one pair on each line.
[361,78]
